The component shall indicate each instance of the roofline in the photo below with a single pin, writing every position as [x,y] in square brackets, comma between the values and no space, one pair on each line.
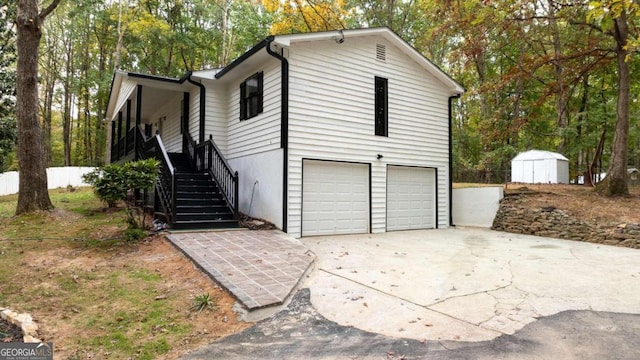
[286,40]
[160,78]
[119,76]
[244,57]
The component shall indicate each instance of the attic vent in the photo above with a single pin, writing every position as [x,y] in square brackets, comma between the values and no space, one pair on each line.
[381,52]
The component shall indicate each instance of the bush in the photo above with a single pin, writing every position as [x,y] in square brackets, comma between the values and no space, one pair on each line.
[116,182]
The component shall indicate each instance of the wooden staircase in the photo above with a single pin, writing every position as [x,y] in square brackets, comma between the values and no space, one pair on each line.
[199,204]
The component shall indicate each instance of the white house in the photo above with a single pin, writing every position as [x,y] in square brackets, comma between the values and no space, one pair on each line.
[330,133]
[540,167]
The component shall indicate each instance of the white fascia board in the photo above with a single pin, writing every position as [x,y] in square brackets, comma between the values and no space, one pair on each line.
[118,76]
[205,74]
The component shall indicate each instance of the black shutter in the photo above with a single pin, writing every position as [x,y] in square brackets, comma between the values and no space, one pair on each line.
[243,101]
[260,88]
[184,104]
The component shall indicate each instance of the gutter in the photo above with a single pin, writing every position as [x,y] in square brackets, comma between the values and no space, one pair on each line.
[457,96]
[203,106]
[284,127]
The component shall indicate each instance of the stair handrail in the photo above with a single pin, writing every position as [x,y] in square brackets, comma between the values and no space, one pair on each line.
[166,181]
[167,178]
[220,170]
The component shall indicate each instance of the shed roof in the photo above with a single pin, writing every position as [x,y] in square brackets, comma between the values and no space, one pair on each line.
[539,155]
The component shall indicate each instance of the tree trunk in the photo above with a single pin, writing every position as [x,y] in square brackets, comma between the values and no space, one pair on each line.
[66,113]
[561,91]
[616,182]
[33,193]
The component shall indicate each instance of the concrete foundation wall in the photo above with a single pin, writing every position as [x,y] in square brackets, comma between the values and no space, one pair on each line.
[476,206]
[261,183]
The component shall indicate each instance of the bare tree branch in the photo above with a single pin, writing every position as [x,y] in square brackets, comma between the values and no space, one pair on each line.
[49,9]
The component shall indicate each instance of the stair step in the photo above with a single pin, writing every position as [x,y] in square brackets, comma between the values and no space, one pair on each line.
[203,216]
[215,202]
[204,208]
[199,202]
[202,196]
[196,188]
[194,225]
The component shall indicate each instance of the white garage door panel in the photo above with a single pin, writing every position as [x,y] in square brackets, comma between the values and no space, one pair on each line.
[335,198]
[410,198]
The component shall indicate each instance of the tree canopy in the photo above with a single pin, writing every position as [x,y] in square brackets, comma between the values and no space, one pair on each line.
[543,74]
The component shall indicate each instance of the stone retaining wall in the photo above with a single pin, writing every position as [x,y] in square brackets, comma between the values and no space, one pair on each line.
[513,217]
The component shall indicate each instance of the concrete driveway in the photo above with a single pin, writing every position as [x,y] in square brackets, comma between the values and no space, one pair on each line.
[452,294]
[465,284]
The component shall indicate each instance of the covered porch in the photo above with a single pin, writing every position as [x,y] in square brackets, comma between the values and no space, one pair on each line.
[150,104]
[158,117]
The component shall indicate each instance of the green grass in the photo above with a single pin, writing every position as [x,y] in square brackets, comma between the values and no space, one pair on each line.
[62,223]
[59,267]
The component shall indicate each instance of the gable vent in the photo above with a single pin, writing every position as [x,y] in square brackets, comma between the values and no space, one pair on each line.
[381,52]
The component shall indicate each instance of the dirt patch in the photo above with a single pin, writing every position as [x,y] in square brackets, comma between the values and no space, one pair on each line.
[581,202]
[570,212]
[107,280]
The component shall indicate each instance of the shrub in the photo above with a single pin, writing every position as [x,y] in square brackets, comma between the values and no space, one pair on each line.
[116,182]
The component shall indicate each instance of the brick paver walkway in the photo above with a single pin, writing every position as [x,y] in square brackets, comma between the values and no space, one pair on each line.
[260,268]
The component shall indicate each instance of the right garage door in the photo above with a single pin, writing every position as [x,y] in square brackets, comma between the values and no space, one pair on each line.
[411,198]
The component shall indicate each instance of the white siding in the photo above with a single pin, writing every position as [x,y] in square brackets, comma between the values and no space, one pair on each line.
[331,117]
[216,110]
[170,123]
[194,113]
[260,133]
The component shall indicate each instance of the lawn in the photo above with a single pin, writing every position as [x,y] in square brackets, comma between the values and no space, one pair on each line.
[96,296]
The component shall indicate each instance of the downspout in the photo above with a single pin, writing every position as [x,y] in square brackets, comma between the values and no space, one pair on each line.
[451,158]
[203,106]
[284,127]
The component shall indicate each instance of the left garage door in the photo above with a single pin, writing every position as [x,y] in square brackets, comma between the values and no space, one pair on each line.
[335,198]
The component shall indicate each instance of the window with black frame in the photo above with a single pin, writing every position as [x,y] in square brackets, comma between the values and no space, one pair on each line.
[251,96]
[381,107]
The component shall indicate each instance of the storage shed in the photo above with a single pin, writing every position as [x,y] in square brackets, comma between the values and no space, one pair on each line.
[540,167]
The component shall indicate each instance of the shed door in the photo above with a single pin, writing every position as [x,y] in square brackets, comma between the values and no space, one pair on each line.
[411,198]
[335,198]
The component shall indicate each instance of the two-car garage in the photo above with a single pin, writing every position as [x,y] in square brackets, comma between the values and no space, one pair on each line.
[336,198]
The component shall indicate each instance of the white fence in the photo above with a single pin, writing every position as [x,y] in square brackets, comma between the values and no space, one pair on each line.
[57,177]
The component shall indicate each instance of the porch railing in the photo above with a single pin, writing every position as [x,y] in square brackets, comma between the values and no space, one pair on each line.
[207,157]
[123,146]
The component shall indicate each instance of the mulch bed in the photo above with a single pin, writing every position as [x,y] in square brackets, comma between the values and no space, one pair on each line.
[9,333]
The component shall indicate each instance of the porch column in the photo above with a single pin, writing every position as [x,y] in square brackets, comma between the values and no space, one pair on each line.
[119,135]
[128,122]
[184,120]
[138,120]
[113,130]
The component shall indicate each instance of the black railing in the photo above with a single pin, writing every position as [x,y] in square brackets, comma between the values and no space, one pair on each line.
[208,157]
[166,181]
[123,146]
[131,133]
